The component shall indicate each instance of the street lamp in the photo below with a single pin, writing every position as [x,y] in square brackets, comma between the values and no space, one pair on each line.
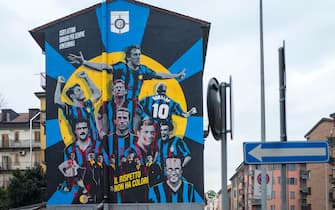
[30,137]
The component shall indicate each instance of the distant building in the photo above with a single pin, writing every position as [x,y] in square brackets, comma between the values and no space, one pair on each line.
[42,119]
[20,134]
[245,194]
[321,177]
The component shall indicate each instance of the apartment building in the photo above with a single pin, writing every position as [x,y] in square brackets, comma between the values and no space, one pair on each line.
[321,182]
[20,144]
[246,186]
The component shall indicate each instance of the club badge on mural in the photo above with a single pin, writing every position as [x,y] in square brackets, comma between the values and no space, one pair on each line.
[119,22]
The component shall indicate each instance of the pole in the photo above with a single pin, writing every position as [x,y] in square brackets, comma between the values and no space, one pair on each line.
[223,88]
[262,102]
[247,196]
[31,138]
[283,136]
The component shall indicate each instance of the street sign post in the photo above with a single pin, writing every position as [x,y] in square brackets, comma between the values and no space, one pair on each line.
[285,152]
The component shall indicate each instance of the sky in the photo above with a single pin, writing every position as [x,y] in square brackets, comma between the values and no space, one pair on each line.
[308,28]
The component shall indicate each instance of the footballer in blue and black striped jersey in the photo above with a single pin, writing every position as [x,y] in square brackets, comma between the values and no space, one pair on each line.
[175,189]
[81,108]
[84,163]
[160,107]
[130,71]
[169,145]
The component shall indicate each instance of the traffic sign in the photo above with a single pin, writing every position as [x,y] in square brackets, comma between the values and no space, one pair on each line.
[285,152]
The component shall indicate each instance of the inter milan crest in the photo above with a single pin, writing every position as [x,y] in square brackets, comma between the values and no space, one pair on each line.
[119,22]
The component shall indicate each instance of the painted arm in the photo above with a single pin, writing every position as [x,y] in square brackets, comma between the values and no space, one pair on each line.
[192,111]
[58,91]
[179,75]
[96,94]
[79,59]
[187,159]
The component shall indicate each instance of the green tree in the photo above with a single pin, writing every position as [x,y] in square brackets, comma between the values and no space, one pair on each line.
[3,198]
[26,187]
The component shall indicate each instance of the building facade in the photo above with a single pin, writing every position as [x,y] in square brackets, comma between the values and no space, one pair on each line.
[246,186]
[321,181]
[20,143]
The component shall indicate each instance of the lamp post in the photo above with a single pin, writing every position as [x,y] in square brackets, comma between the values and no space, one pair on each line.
[30,137]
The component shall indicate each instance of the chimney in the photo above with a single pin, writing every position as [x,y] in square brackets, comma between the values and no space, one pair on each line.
[33,112]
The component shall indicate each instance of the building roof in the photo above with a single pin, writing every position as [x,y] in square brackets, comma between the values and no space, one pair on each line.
[324,119]
[38,35]
[23,117]
[9,118]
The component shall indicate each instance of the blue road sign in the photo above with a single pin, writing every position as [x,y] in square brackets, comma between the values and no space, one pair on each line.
[285,152]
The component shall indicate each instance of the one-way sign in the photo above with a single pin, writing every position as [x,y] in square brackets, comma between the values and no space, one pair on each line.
[285,152]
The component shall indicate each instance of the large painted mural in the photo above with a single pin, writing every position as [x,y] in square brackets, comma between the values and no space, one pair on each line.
[124,105]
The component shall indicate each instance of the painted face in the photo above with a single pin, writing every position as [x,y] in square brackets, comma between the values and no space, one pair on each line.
[122,120]
[134,57]
[165,132]
[119,89]
[81,131]
[173,169]
[78,93]
[147,134]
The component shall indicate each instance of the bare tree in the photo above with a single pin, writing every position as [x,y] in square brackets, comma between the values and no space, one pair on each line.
[2,101]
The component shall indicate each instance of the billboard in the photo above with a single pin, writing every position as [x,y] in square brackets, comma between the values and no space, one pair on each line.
[124,105]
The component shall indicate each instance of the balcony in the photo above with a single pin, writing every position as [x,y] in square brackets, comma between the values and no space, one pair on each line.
[304,189]
[20,144]
[303,174]
[332,160]
[303,202]
[12,166]
[256,202]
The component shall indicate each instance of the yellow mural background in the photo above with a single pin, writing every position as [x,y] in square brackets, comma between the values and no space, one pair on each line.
[102,80]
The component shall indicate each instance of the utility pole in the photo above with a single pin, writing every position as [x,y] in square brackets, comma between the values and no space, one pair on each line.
[283,135]
[262,101]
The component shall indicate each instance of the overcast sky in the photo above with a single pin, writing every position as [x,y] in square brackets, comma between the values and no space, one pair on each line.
[308,28]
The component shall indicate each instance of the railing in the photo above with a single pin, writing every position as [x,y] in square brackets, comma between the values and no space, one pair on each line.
[304,189]
[303,202]
[19,144]
[13,165]
[256,201]
[303,174]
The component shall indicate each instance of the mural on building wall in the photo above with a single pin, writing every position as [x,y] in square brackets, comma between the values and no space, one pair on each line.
[124,106]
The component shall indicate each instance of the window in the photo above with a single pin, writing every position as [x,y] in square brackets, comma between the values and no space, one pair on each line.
[292,195]
[279,178]
[5,140]
[273,195]
[292,207]
[291,167]
[308,174]
[38,156]
[16,159]
[292,180]
[5,162]
[309,191]
[273,207]
[37,136]
[16,136]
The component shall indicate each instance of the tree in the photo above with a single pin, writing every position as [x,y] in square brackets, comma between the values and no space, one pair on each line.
[3,198]
[26,187]
[2,101]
